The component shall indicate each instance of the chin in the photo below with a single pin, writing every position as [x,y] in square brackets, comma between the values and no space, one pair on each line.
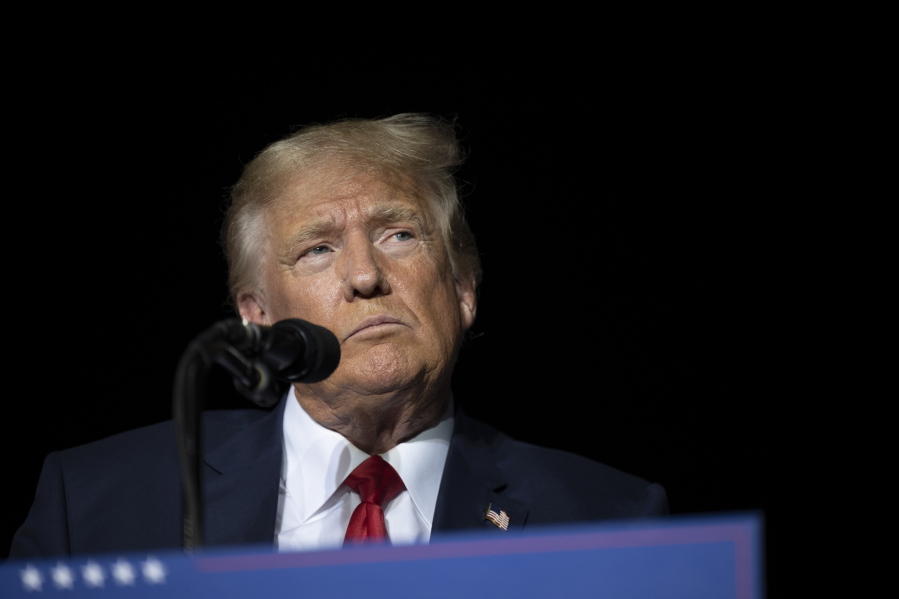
[383,369]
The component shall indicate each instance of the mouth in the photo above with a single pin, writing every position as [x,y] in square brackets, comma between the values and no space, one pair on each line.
[374,323]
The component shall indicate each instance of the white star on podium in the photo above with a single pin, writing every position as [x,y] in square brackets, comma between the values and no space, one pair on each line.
[31,578]
[92,574]
[62,576]
[123,573]
[154,571]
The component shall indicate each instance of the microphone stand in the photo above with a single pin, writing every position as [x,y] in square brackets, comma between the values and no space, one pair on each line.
[251,377]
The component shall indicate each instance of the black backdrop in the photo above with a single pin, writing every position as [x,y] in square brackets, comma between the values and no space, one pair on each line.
[643,272]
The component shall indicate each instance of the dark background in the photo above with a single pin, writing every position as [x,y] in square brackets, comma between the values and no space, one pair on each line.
[652,294]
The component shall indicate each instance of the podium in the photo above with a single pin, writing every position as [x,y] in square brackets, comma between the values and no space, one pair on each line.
[695,557]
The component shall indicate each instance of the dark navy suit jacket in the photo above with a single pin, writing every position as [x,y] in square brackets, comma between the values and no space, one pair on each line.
[123,493]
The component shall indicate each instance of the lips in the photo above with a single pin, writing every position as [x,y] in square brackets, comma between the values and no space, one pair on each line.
[374,321]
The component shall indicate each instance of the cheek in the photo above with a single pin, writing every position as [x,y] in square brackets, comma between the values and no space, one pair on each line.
[424,273]
[307,299]
[442,304]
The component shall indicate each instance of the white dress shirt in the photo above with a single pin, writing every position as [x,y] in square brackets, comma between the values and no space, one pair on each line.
[314,506]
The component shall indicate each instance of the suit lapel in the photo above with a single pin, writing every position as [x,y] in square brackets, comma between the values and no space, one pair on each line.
[471,483]
[242,479]
[243,473]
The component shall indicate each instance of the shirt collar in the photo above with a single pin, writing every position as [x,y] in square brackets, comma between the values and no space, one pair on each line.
[317,460]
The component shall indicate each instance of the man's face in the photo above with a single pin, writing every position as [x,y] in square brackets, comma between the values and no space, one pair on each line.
[360,253]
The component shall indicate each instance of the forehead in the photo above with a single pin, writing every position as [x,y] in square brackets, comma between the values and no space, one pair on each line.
[339,192]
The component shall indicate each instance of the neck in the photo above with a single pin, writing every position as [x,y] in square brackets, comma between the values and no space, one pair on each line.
[375,423]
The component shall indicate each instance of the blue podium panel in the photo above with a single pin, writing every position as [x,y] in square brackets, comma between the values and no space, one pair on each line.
[716,557]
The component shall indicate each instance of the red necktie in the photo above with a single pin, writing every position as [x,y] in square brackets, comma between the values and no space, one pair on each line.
[377,483]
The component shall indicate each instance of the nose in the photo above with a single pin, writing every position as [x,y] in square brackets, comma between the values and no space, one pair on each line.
[362,270]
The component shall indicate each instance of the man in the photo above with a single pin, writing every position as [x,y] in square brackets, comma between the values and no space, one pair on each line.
[354,226]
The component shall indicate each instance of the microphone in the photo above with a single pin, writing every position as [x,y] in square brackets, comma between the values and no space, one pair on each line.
[264,360]
[293,350]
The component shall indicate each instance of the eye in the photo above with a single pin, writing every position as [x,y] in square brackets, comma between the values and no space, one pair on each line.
[402,236]
[311,253]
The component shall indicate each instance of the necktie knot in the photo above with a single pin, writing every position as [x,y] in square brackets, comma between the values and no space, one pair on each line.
[375,480]
[377,483]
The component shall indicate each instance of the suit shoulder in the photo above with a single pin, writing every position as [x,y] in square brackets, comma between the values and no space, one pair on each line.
[155,442]
[120,492]
[535,459]
[555,477]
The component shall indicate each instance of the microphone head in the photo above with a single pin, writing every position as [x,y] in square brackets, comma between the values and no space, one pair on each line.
[320,357]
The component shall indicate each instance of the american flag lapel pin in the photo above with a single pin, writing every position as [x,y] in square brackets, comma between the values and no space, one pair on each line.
[498,517]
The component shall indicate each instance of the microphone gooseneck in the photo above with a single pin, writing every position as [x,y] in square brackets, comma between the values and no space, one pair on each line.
[263,361]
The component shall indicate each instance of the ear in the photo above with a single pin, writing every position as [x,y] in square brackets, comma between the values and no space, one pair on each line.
[468,301]
[251,306]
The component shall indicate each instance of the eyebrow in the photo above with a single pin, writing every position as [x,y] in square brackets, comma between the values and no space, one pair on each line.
[310,230]
[380,215]
[385,214]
